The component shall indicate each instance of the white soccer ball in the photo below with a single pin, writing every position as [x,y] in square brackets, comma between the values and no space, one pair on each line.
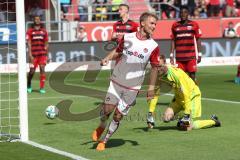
[51,112]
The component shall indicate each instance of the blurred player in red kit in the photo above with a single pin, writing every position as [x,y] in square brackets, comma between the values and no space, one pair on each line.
[37,40]
[186,43]
[124,25]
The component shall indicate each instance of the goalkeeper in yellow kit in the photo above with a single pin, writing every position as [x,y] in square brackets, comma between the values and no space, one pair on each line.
[187,99]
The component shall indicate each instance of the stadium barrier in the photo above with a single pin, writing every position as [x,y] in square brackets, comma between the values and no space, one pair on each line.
[215,52]
[101,31]
[95,65]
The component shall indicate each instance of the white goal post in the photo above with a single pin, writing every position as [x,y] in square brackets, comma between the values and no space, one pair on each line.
[21,50]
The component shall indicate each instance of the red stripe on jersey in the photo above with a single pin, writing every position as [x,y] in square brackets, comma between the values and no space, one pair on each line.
[183,36]
[180,49]
[129,88]
[37,38]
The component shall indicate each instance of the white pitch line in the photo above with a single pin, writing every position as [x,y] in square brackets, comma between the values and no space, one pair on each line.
[57,97]
[54,150]
[75,96]
[215,100]
[220,100]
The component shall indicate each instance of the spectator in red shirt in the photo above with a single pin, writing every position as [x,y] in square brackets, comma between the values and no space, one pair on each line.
[230,10]
[214,8]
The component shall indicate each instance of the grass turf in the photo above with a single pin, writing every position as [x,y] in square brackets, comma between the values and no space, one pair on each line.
[133,140]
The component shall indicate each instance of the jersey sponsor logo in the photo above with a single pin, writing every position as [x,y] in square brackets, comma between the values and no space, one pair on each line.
[37,32]
[136,54]
[184,35]
[37,37]
[189,27]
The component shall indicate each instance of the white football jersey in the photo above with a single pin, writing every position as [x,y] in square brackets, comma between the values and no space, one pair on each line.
[130,69]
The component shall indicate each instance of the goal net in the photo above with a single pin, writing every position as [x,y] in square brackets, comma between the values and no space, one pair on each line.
[11,70]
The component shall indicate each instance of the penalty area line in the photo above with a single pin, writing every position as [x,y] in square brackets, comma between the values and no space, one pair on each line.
[215,100]
[54,150]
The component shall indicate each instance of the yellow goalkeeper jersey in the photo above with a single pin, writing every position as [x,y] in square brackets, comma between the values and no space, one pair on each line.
[184,87]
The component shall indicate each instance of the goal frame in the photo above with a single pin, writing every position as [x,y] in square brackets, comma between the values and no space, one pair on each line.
[22,70]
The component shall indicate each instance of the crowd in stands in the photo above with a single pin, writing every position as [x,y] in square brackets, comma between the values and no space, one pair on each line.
[166,9]
[197,8]
[103,10]
[7,11]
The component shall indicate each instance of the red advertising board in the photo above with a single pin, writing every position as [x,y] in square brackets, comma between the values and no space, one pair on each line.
[211,28]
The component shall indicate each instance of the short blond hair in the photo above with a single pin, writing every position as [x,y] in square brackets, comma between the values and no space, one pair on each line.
[145,15]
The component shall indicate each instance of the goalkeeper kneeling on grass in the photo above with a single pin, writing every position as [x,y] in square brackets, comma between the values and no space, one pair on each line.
[187,99]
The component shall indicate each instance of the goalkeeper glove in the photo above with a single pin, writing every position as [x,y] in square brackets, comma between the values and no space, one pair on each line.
[185,121]
[199,57]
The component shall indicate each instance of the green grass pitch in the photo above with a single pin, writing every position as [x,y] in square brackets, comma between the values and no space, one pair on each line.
[132,140]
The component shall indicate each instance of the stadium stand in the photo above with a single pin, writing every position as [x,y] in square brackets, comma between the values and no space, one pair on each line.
[137,7]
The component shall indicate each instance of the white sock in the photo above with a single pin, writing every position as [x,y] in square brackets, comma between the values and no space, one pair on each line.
[113,126]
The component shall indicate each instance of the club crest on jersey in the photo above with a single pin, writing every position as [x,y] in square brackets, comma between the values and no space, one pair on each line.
[145,50]
[189,27]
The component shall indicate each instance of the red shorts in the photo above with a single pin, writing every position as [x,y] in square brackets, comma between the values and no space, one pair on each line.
[188,66]
[40,60]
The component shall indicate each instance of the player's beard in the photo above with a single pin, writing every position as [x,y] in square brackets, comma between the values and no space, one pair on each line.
[148,34]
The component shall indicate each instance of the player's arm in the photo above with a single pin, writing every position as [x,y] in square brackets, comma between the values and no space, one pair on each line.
[198,34]
[199,48]
[172,49]
[152,81]
[29,45]
[114,33]
[154,60]
[47,48]
[113,55]
[46,44]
